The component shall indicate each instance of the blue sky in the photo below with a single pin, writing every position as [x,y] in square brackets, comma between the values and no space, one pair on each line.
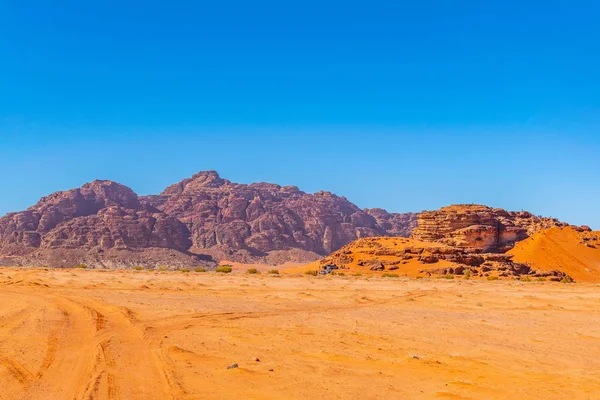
[402,105]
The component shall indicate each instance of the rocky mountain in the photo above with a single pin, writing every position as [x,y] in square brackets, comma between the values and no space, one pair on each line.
[479,227]
[268,222]
[196,221]
[80,225]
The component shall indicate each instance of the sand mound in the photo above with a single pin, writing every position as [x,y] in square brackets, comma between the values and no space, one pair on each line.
[573,251]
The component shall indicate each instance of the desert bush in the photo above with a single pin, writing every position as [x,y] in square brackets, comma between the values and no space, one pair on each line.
[357,274]
[184,270]
[138,268]
[447,276]
[252,271]
[225,269]
[566,279]
[467,273]
[388,275]
[200,269]
[163,268]
[80,266]
[492,278]
[273,272]
[312,272]
[541,279]
[525,279]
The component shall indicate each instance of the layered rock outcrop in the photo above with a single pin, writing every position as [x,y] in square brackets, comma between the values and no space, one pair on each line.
[478,227]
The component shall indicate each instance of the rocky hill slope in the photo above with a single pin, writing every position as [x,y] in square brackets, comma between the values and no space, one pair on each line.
[200,219]
[471,240]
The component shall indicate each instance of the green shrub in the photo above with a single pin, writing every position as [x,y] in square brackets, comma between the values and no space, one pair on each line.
[138,268]
[163,268]
[252,271]
[273,272]
[80,266]
[312,272]
[184,270]
[566,279]
[225,269]
[200,269]
[525,279]
[357,274]
[541,279]
[448,276]
[492,278]
[388,275]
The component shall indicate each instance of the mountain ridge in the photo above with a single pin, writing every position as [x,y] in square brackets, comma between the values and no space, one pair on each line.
[200,218]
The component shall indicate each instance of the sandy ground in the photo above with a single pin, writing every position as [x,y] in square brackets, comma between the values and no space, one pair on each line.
[77,334]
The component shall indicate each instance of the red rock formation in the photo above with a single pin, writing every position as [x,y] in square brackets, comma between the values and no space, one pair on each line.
[100,216]
[203,215]
[479,227]
[249,222]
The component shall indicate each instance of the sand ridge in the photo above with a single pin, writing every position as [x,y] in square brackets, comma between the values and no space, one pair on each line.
[573,251]
[79,334]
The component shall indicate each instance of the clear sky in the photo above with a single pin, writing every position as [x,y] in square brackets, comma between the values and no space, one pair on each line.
[394,104]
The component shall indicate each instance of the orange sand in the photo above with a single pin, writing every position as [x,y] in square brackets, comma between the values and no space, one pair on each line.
[77,334]
[563,249]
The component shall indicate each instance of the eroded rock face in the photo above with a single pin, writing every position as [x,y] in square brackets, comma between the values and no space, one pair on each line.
[204,215]
[99,216]
[479,227]
[245,222]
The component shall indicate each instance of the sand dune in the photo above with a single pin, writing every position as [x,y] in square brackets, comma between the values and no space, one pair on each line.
[575,252]
[77,334]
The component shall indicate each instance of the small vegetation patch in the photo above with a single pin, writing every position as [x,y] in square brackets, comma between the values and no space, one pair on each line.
[447,276]
[199,269]
[80,266]
[252,271]
[225,269]
[541,279]
[311,272]
[273,272]
[388,275]
[184,270]
[357,274]
[138,268]
[566,279]
[525,279]
[163,268]
[492,278]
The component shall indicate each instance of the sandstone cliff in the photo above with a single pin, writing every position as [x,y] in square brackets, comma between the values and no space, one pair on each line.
[478,227]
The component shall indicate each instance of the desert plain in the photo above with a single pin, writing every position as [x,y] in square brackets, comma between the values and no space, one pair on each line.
[95,334]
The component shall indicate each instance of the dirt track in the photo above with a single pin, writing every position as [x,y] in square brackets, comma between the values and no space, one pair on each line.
[80,334]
